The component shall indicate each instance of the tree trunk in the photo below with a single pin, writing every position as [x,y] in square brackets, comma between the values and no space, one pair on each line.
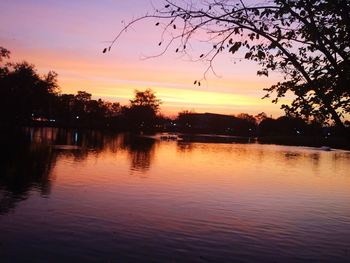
[338,123]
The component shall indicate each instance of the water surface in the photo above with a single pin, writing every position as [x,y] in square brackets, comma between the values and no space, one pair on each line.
[95,197]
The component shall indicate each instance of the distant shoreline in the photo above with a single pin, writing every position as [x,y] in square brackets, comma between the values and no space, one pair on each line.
[297,140]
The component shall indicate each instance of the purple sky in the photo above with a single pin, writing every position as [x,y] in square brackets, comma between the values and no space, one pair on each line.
[68,37]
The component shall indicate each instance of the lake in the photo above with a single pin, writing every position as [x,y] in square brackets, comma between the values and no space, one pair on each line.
[89,196]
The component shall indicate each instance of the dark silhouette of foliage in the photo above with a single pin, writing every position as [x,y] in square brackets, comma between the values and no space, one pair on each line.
[146,98]
[142,113]
[241,125]
[260,117]
[33,99]
[4,53]
[307,41]
[27,93]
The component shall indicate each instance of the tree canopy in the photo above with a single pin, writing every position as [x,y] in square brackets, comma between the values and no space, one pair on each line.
[25,91]
[146,98]
[306,40]
[29,96]
[4,53]
[143,109]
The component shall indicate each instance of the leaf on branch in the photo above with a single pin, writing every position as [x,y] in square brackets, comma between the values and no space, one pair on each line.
[201,56]
[263,73]
[167,6]
[261,54]
[157,24]
[174,26]
[160,43]
[195,82]
[272,45]
[104,50]
[177,50]
[248,55]
[235,47]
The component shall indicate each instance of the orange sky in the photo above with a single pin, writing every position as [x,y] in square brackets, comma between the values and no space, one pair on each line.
[68,37]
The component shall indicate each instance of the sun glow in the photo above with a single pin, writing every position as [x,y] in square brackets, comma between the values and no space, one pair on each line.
[77,58]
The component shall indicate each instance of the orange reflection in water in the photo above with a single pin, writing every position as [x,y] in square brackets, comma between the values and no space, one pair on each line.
[263,177]
[175,199]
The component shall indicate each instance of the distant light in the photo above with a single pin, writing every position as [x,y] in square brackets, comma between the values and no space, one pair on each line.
[298,132]
[329,134]
[77,117]
[52,120]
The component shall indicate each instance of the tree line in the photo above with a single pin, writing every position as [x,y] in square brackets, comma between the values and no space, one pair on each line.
[29,98]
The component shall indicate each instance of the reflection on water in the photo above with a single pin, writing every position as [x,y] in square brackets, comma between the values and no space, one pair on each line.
[27,161]
[140,152]
[93,196]
[23,167]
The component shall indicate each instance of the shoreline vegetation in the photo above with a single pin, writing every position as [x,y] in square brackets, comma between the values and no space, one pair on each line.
[31,99]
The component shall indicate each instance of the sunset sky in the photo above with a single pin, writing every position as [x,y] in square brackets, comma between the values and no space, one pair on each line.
[68,37]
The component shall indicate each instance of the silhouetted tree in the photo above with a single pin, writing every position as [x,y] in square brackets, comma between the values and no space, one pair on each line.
[247,117]
[113,109]
[142,113]
[308,41]
[25,93]
[81,101]
[83,97]
[260,117]
[64,108]
[285,125]
[146,98]
[268,127]
[4,53]
[32,98]
[247,124]
[243,124]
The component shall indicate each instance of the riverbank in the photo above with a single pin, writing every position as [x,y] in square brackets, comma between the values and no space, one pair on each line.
[10,133]
[309,141]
